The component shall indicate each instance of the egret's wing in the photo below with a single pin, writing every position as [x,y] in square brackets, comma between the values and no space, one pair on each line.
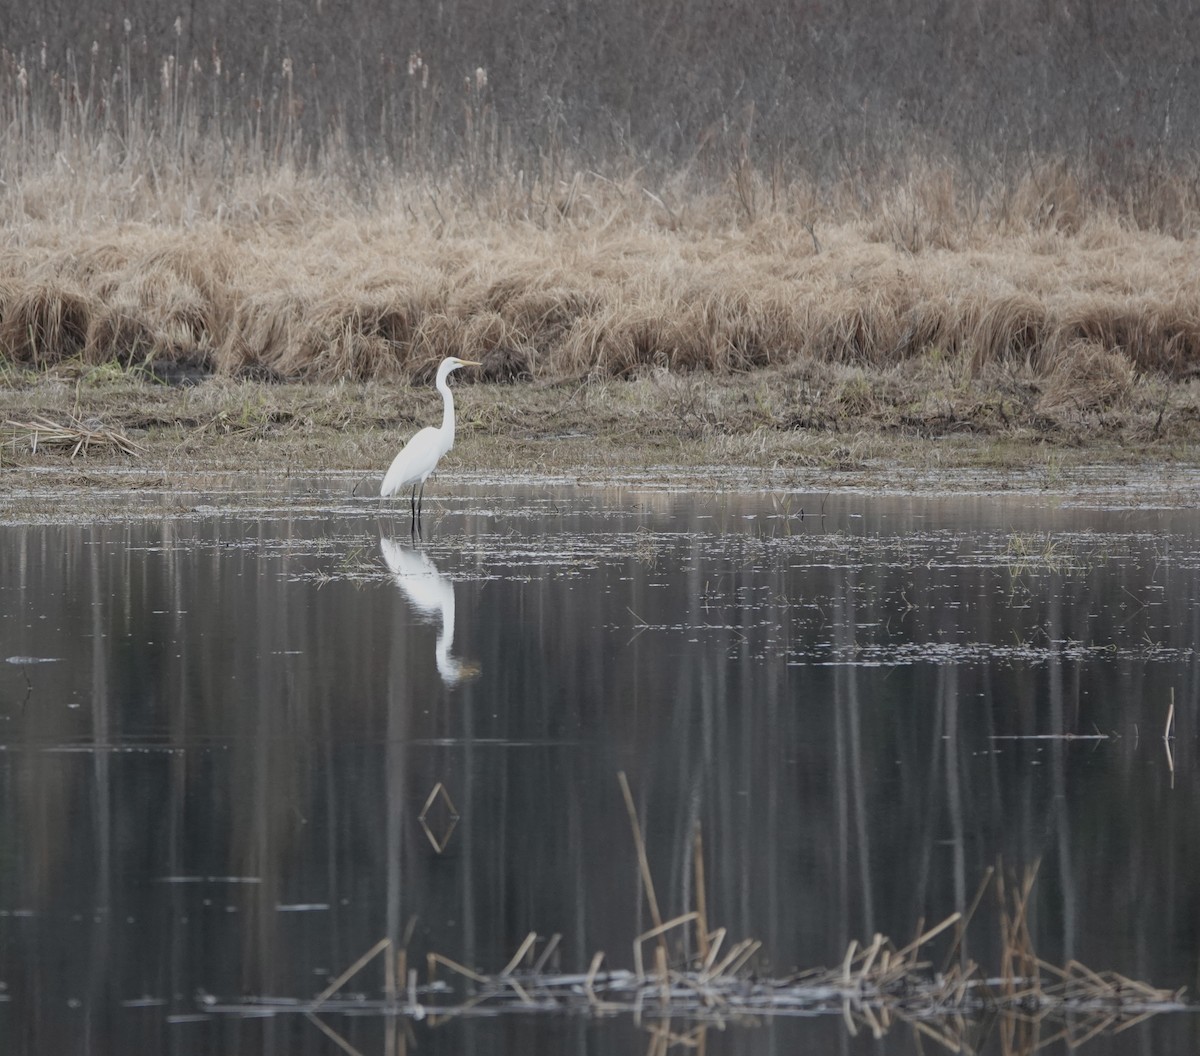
[414,463]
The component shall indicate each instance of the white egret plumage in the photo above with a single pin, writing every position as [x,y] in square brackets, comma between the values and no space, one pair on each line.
[420,456]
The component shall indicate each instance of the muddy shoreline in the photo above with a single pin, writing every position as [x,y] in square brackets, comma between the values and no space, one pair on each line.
[123,433]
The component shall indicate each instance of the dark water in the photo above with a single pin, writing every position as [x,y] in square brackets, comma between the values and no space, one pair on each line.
[219,727]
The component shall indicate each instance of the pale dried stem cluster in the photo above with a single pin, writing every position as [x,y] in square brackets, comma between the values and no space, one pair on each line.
[696,981]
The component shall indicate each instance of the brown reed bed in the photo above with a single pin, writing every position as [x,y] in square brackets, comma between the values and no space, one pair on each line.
[330,291]
[1063,338]
[195,201]
[153,226]
[697,977]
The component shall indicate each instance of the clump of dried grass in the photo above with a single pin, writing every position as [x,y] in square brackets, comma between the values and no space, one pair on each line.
[44,321]
[1085,376]
[80,437]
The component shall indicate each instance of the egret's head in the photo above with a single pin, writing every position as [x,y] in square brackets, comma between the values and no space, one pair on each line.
[453,363]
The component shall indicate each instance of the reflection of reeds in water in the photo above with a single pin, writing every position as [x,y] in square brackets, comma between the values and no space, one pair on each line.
[878,986]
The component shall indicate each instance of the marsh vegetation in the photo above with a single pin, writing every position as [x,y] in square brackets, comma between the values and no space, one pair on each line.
[982,234]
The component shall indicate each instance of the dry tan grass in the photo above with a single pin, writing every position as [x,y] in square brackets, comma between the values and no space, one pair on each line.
[1086,375]
[287,278]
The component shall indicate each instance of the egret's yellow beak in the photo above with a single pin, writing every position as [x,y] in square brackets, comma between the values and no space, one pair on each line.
[469,363]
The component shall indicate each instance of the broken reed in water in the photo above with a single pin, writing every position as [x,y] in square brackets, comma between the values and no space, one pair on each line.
[877,986]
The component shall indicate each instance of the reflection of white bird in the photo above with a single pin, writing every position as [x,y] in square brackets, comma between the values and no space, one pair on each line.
[431,594]
[419,457]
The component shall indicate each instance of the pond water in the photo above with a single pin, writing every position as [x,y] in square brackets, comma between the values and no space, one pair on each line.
[242,739]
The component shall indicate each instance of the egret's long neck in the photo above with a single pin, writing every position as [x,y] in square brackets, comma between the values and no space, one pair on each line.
[447,414]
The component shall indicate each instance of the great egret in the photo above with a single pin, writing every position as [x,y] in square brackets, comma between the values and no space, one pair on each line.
[431,594]
[419,457]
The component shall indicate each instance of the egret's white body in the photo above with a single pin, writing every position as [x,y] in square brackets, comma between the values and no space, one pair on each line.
[431,594]
[420,456]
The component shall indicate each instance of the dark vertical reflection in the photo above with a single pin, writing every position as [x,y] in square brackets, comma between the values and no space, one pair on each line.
[952,753]
[96,1010]
[214,788]
[395,777]
[1060,819]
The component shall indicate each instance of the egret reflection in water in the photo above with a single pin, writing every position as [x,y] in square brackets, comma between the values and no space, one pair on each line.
[431,594]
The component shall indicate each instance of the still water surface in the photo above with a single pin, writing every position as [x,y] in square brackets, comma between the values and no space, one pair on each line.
[219,726]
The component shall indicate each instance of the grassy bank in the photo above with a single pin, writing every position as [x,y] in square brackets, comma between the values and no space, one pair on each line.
[619,327]
[807,427]
[751,277]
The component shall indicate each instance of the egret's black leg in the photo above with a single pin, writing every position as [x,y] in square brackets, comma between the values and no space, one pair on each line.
[414,504]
